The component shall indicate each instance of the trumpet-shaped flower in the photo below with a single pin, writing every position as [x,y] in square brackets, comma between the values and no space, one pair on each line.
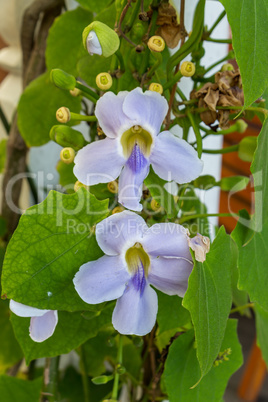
[135,258]
[132,122]
[43,322]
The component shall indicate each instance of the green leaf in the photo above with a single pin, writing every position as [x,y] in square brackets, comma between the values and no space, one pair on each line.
[14,389]
[67,178]
[182,370]
[107,15]
[249,24]
[262,328]
[53,239]
[233,183]
[64,42]
[35,122]
[3,150]
[209,298]
[10,351]
[156,187]
[204,182]
[71,331]
[94,5]
[90,66]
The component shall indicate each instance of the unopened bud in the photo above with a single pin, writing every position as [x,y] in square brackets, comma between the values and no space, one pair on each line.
[100,39]
[113,187]
[154,86]
[200,245]
[247,147]
[120,369]
[187,69]
[63,115]
[67,155]
[75,92]
[116,210]
[241,126]
[67,137]
[78,185]
[102,379]
[62,79]
[104,81]
[156,44]
[227,67]
[155,206]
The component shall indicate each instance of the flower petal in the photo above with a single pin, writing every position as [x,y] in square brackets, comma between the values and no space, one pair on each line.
[167,240]
[93,43]
[98,162]
[41,328]
[147,109]
[131,179]
[101,280]
[109,112]
[135,314]
[174,159]
[170,275]
[22,310]
[120,231]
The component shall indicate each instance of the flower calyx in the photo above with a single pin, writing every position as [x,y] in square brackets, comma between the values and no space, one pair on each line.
[62,79]
[187,69]
[100,39]
[156,44]
[104,81]
[155,87]
[67,155]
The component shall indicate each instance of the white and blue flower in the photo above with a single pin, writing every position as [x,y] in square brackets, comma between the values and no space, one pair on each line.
[43,322]
[136,257]
[132,122]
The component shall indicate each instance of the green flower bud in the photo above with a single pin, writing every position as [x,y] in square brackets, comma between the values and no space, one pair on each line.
[120,369]
[62,79]
[98,38]
[241,126]
[227,67]
[156,44]
[187,69]
[67,137]
[102,379]
[67,155]
[104,81]
[155,87]
[63,115]
[247,148]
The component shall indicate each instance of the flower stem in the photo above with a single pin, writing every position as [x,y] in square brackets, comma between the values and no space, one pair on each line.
[182,96]
[219,40]
[91,95]
[119,362]
[173,80]
[84,374]
[197,133]
[227,150]
[217,62]
[158,61]
[81,117]
[49,391]
[236,309]
[196,216]
[218,20]
[121,61]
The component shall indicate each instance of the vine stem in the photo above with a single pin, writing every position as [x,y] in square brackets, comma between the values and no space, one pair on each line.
[121,61]
[218,20]
[119,363]
[84,374]
[49,391]
[197,133]
[227,150]
[237,309]
[91,94]
[81,117]
[219,40]
[196,216]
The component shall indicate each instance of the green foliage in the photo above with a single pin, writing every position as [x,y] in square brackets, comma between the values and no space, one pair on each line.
[262,328]
[37,109]
[64,42]
[209,298]
[233,183]
[66,176]
[10,352]
[182,370]
[14,389]
[249,24]
[90,66]
[52,241]
[71,331]
[94,5]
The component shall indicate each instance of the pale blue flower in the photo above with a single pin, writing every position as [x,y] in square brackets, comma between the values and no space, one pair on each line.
[132,122]
[135,258]
[43,322]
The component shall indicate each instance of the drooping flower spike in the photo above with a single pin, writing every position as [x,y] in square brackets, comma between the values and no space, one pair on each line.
[135,258]
[132,122]
[43,322]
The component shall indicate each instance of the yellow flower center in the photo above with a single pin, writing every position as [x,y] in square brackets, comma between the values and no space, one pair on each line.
[136,135]
[135,256]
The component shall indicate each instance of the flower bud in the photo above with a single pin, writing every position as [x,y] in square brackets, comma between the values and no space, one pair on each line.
[187,69]
[227,67]
[241,126]
[113,187]
[67,137]
[78,185]
[154,86]
[63,114]
[156,44]
[67,155]
[75,92]
[62,79]
[247,147]
[116,210]
[102,379]
[99,39]
[155,206]
[104,81]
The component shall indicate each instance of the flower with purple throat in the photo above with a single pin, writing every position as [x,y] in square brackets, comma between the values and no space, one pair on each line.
[132,122]
[136,257]
[43,322]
